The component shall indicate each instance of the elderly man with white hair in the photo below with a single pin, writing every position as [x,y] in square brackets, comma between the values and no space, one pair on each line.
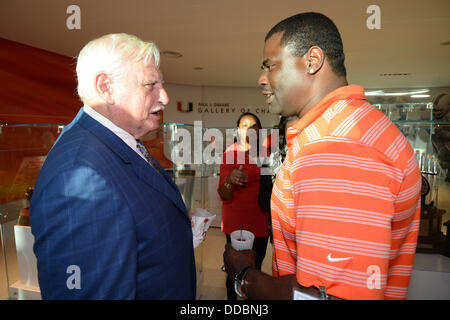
[108,222]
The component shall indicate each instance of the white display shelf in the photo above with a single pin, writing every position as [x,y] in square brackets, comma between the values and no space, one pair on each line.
[20,291]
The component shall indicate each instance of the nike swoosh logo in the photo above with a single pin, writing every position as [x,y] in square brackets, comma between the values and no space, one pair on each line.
[337,259]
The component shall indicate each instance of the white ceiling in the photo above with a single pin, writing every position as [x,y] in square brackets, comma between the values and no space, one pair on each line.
[226,38]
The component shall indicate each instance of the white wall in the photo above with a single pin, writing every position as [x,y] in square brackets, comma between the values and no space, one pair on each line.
[216,106]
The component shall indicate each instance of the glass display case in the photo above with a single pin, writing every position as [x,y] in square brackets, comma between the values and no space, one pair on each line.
[23,149]
[188,146]
[430,139]
[195,170]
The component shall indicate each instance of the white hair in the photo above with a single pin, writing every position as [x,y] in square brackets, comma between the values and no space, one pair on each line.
[110,54]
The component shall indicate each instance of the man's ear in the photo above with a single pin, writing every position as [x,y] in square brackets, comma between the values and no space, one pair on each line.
[315,58]
[103,86]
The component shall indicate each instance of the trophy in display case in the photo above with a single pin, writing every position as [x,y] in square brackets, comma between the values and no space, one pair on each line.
[431,239]
[28,285]
[24,216]
[428,132]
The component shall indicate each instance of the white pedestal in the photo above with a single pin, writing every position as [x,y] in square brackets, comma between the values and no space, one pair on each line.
[27,288]
[214,202]
[198,254]
[20,291]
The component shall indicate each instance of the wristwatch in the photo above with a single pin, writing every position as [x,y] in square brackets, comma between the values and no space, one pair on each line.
[239,281]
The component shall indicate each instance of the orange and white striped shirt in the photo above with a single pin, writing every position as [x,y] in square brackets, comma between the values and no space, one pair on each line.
[346,201]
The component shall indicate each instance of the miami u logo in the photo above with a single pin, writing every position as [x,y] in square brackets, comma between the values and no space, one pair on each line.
[180,106]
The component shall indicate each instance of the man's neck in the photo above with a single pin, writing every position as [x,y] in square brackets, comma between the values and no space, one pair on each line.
[321,90]
[100,108]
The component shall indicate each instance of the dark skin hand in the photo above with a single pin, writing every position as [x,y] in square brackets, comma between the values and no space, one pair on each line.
[258,285]
[236,177]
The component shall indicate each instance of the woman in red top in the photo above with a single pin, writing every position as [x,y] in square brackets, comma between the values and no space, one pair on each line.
[239,190]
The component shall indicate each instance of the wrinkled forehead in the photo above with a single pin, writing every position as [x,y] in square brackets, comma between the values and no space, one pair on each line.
[144,71]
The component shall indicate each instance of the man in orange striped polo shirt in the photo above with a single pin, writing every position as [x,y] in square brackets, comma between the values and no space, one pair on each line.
[346,202]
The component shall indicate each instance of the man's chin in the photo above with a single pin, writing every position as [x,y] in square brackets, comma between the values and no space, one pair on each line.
[150,128]
[274,109]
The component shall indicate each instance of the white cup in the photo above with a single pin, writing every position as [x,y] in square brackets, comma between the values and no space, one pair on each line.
[242,243]
[202,220]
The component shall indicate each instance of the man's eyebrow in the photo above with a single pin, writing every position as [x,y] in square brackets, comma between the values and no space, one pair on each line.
[153,79]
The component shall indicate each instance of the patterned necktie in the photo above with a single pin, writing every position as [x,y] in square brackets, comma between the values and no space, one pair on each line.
[141,147]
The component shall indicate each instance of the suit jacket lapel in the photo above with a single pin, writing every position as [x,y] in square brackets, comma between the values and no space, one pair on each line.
[163,184]
[141,167]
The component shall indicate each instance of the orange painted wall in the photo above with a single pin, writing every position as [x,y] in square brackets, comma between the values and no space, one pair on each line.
[36,87]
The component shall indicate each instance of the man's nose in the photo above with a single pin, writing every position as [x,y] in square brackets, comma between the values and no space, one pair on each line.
[262,80]
[163,97]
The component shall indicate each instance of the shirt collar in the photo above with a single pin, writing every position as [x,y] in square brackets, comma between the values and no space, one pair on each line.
[341,93]
[122,134]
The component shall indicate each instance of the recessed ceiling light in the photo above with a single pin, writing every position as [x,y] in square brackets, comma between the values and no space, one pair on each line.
[172,54]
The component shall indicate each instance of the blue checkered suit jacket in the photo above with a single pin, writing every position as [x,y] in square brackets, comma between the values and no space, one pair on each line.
[99,206]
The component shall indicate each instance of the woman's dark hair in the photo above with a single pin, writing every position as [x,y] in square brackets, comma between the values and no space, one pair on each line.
[257,122]
[249,114]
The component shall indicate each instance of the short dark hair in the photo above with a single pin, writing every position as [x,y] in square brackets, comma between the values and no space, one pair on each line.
[304,30]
